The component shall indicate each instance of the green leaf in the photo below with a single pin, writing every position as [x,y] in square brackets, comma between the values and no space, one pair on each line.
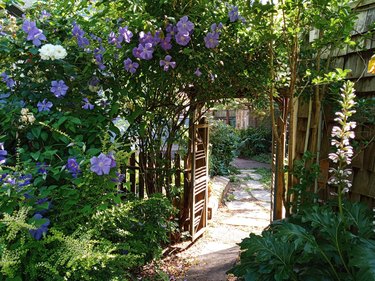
[35,155]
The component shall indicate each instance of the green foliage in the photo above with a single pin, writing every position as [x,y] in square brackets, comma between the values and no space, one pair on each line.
[109,246]
[255,141]
[223,139]
[302,194]
[315,245]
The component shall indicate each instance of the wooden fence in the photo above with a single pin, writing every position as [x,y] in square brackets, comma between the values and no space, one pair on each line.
[143,176]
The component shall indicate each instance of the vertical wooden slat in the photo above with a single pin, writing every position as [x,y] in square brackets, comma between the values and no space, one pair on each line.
[177,166]
[141,175]
[132,174]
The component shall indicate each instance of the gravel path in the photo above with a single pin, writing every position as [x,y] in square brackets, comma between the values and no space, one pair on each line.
[246,209]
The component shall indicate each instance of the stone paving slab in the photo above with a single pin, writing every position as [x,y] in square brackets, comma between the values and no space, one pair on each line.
[248,211]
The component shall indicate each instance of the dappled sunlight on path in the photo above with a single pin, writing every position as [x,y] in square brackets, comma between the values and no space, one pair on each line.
[246,210]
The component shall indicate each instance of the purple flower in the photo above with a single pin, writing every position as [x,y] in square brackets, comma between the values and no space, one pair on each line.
[24,180]
[9,81]
[77,32]
[58,88]
[145,38]
[42,230]
[124,34]
[119,178]
[36,35]
[184,26]
[44,105]
[211,40]
[113,40]
[215,27]
[99,61]
[146,51]
[101,165]
[44,14]
[233,14]
[113,160]
[130,66]
[167,63]
[94,81]
[3,153]
[165,43]
[42,168]
[2,33]
[73,167]
[136,52]
[87,105]
[27,26]
[197,72]
[171,30]
[182,39]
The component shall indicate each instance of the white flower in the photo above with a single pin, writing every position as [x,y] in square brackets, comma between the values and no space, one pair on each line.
[24,111]
[52,52]
[60,52]
[31,118]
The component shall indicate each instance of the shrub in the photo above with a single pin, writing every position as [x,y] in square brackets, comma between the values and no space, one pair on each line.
[255,141]
[316,245]
[223,139]
[109,246]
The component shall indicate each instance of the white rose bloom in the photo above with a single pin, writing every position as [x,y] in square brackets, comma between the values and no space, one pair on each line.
[52,52]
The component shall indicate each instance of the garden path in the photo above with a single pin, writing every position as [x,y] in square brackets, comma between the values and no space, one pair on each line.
[246,209]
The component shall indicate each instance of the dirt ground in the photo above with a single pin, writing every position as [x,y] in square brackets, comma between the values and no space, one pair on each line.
[245,210]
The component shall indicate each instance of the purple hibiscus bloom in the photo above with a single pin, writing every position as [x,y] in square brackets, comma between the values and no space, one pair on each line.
[197,72]
[184,26]
[233,14]
[58,88]
[182,39]
[73,167]
[211,40]
[42,230]
[165,43]
[87,105]
[3,153]
[166,63]
[130,66]
[124,34]
[146,51]
[44,105]
[101,165]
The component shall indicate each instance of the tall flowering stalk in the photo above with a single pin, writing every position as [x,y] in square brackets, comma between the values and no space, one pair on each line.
[341,136]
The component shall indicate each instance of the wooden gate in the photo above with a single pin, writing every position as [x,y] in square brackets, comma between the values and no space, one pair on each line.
[199,177]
